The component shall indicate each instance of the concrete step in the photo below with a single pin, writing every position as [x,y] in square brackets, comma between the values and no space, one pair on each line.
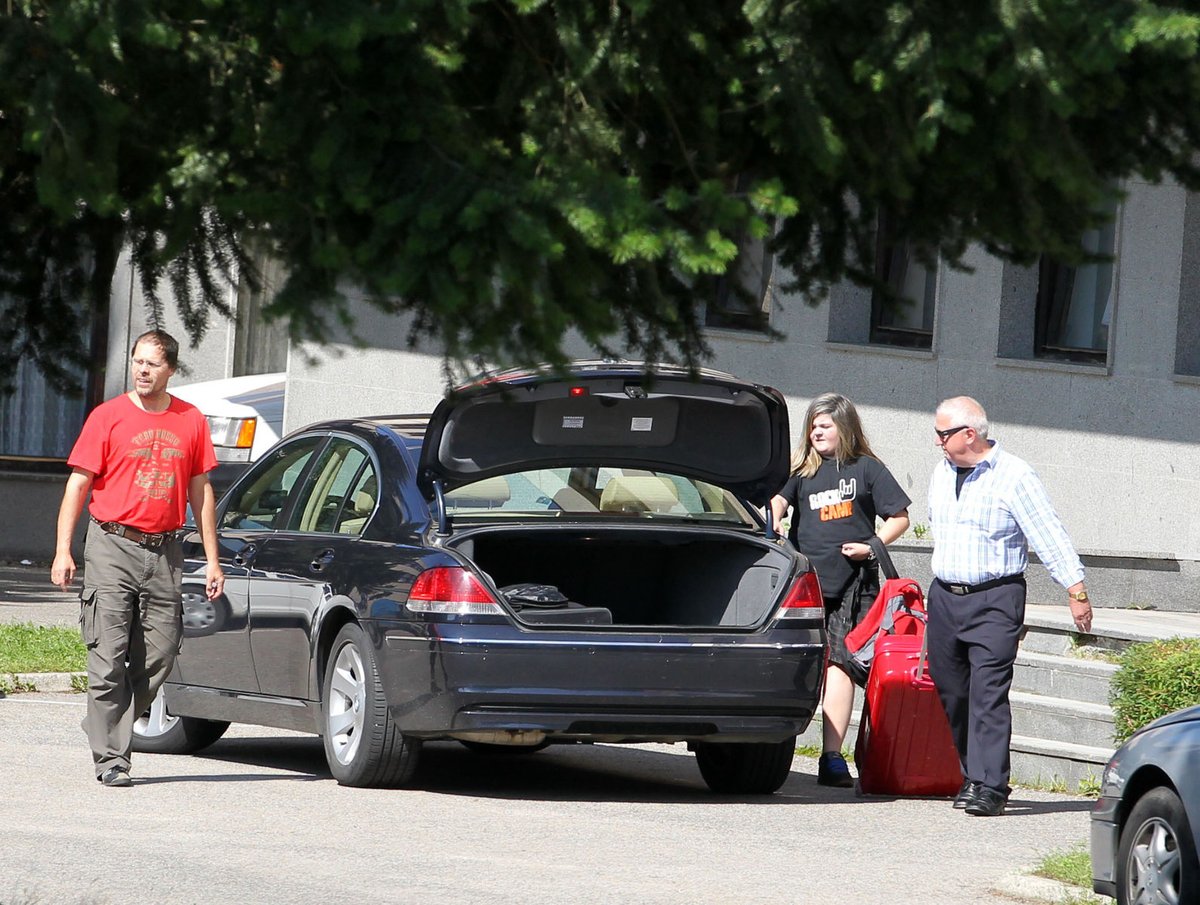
[1061,720]
[1074,678]
[1056,742]
[1062,724]
[1061,642]
[1047,764]
[1049,629]
[1037,762]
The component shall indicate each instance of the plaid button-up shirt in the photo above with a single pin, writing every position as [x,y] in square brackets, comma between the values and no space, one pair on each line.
[985,532]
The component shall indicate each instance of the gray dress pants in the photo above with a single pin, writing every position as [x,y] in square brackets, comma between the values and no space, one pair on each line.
[131,618]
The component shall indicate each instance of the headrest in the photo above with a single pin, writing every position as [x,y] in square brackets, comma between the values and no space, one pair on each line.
[639,493]
[490,493]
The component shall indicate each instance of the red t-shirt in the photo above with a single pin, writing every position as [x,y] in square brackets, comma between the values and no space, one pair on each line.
[143,461]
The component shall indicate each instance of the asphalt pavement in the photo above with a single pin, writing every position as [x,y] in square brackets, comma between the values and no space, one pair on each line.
[256,818]
[266,823]
[26,595]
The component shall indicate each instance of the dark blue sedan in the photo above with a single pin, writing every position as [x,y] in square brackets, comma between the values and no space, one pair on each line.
[548,558]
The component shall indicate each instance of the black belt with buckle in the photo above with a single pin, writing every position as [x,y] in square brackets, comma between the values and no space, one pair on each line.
[142,538]
[963,589]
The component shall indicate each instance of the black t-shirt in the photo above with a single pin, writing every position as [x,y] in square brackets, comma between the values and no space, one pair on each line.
[838,505]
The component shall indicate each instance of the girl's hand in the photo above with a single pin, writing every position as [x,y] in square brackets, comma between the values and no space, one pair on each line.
[856,551]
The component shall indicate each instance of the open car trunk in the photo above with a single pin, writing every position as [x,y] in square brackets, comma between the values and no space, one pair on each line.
[663,577]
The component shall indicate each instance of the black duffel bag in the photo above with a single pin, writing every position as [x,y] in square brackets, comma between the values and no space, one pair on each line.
[533,594]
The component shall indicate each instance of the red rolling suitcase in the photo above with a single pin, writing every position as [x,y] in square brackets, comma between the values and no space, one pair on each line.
[904,745]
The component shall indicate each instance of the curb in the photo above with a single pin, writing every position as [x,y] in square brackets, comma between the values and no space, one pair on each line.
[45,682]
[1026,888]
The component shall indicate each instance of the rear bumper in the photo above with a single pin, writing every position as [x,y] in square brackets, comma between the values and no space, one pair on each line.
[603,686]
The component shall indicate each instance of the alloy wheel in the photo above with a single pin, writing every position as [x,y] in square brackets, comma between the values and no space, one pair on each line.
[157,720]
[1153,870]
[346,705]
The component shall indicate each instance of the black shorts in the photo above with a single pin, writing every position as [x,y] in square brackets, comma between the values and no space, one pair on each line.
[843,613]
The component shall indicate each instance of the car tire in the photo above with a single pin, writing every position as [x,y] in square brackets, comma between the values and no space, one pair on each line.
[158,731]
[1156,857]
[363,745]
[748,768]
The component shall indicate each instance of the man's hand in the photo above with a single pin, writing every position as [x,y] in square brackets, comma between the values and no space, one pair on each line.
[1081,614]
[214,581]
[62,571]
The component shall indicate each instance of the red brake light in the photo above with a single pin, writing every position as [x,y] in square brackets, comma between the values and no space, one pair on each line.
[578,391]
[804,594]
[450,589]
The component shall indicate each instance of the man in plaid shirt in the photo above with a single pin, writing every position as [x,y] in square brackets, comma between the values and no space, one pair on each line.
[986,508]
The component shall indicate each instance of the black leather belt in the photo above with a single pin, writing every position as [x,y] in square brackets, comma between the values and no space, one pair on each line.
[963,589]
[136,535]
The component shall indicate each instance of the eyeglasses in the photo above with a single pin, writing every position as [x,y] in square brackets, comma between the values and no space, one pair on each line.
[945,435]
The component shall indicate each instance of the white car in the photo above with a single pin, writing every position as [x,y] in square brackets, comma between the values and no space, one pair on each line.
[245,417]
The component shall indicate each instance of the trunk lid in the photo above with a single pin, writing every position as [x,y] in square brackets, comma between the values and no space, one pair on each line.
[711,426]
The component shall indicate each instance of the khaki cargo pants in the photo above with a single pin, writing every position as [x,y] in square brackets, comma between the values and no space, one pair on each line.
[131,618]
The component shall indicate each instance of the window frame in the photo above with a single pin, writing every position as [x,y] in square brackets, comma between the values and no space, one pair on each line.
[888,249]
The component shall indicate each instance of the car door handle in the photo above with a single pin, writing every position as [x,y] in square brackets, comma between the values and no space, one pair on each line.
[321,560]
[244,555]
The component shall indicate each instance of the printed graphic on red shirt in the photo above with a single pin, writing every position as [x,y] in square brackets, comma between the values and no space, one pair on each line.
[836,503]
[154,474]
[142,461]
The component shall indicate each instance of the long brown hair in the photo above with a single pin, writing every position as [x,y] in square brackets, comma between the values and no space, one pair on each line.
[852,441]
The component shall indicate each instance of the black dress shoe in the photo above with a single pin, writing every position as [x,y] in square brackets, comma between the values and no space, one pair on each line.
[115,777]
[967,794]
[988,802]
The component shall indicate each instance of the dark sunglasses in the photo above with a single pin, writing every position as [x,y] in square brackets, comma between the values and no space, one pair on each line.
[949,432]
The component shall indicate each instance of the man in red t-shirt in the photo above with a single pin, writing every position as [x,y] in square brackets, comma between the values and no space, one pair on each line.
[143,456]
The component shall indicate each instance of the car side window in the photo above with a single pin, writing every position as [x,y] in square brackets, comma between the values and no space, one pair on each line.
[338,495]
[360,502]
[261,499]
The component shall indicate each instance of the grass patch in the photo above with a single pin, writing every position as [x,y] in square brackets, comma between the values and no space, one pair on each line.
[814,751]
[25,647]
[1073,866]
[1087,787]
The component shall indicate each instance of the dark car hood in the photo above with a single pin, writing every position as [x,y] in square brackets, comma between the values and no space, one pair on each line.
[712,426]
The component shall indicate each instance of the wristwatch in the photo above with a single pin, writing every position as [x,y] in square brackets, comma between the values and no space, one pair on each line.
[1081,596]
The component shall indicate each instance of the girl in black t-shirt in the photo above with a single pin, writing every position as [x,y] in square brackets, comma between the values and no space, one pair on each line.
[837,490]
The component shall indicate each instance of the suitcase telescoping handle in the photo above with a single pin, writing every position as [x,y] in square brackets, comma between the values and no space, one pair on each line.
[920,674]
[879,548]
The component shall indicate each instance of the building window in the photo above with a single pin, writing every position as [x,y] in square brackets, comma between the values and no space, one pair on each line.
[1074,304]
[740,298]
[1187,330]
[902,316]
[1059,312]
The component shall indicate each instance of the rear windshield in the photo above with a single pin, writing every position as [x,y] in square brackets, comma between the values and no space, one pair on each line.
[598,491]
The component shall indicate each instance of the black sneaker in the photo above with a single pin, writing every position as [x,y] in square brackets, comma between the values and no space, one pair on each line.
[832,771]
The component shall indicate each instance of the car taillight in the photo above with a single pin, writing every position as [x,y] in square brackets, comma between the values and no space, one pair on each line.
[452,590]
[802,597]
